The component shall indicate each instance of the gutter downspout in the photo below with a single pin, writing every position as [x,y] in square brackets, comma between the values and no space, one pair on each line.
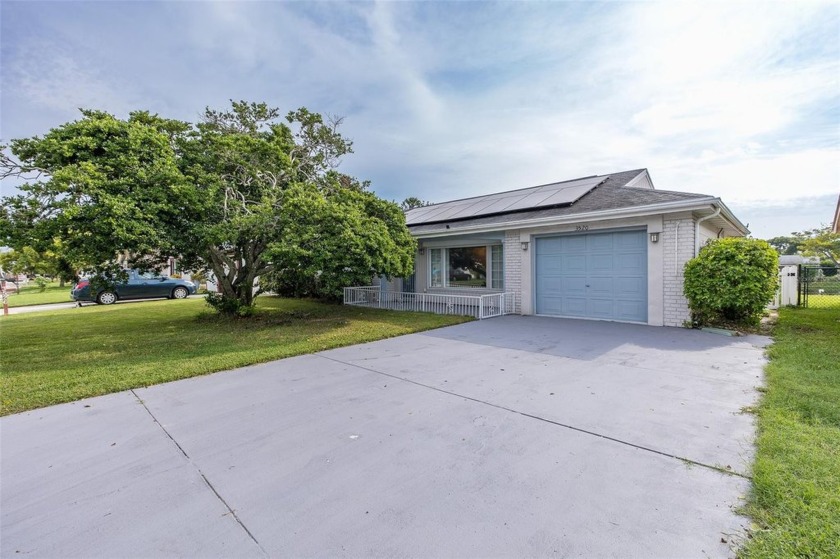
[697,230]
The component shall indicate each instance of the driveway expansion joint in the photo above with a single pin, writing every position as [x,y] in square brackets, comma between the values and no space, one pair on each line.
[684,460]
[221,499]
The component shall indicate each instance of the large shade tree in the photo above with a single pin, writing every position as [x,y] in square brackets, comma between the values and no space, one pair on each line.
[335,238]
[821,242]
[219,194]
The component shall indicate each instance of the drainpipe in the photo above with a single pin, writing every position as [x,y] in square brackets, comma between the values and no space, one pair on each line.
[697,231]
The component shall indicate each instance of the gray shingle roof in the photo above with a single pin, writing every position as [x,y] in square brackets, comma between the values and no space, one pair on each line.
[611,194]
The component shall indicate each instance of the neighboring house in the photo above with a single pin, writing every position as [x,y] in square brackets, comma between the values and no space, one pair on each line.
[835,227]
[607,247]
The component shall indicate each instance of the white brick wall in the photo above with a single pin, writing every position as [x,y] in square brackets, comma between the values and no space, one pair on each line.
[678,248]
[513,267]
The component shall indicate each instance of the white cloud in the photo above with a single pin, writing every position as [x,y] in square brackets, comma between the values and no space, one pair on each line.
[771,219]
[776,178]
[52,77]
[450,100]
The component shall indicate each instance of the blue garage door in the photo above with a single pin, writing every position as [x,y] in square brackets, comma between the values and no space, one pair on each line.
[597,275]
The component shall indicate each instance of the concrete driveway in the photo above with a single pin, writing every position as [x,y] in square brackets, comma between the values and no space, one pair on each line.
[516,436]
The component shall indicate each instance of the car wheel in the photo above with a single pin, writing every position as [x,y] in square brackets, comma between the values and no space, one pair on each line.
[107,298]
[180,293]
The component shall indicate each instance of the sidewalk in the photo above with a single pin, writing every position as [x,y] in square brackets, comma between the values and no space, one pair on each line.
[41,308]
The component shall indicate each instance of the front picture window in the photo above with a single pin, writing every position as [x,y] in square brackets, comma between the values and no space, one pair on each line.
[467,267]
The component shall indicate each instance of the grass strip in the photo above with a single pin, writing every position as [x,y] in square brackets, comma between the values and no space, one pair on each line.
[33,296]
[60,356]
[795,498]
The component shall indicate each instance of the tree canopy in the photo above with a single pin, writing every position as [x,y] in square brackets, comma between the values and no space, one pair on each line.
[348,231]
[28,261]
[243,192]
[413,202]
[785,244]
[820,242]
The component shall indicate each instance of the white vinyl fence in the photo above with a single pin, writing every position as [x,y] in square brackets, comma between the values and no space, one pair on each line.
[478,306]
[788,291]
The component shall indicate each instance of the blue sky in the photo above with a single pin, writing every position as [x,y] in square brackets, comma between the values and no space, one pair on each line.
[447,100]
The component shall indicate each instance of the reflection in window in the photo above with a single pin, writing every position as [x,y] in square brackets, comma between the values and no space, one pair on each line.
[497,267]
[436,262]
[468,267]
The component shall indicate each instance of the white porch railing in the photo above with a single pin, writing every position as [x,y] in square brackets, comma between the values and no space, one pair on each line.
[478,306]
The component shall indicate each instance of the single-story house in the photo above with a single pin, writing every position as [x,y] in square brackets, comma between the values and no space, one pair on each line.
[608,247]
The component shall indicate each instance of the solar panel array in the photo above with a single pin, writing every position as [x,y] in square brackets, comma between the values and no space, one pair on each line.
[555,194]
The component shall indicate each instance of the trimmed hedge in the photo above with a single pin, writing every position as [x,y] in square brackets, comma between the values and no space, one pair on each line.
[731,281]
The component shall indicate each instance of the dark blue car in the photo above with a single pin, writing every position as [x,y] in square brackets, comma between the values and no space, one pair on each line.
[140,285]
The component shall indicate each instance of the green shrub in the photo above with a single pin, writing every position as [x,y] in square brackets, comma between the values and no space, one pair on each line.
[228,306]
[41,282]
[731,281]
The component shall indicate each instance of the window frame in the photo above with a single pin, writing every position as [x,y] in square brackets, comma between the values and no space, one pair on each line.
[444,266]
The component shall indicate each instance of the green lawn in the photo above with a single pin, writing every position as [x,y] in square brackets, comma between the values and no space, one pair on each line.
[817,301]
[30,295]
[60,356]
[795,501]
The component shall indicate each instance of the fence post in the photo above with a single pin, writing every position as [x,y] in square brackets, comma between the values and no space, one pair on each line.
[799,285]
[5,295]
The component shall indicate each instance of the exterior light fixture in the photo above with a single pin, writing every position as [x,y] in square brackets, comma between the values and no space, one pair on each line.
[421,249]
[524,245]
[654,237]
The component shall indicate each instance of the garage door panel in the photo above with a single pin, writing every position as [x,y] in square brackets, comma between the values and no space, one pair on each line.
[630,310]
[550,265]
[550,286]
[549,247]
[635,262]
[573,306]
[628,286]
[576,243]
[602,242]
[573,286]
[571,263]
[601,263]
[600,308]
[631,242]
[600,287]
[553,305]
[593,275]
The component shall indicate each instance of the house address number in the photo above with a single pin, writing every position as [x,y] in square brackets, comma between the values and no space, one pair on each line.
[581,228]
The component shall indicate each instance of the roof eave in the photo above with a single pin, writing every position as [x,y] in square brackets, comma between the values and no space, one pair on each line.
[730,217]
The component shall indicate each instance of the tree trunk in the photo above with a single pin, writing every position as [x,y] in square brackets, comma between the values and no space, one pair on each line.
[235,280]
[61,282]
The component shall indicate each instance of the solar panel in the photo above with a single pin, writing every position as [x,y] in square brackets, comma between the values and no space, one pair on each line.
[555,194]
